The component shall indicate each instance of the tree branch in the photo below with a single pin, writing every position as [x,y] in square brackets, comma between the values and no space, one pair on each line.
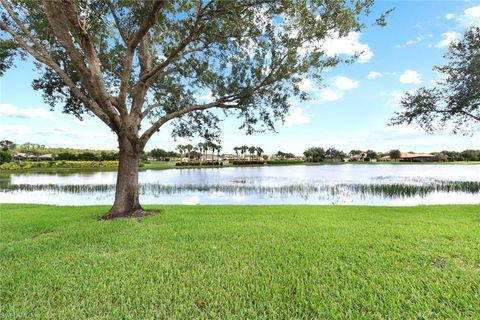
[220,103]
[121,31]
[470,115]
[147,24]
[47,60]
[90,104]
[132,45]
[151,76]
[93,61]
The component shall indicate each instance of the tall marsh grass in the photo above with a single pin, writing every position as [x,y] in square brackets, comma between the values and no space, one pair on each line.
[384,190]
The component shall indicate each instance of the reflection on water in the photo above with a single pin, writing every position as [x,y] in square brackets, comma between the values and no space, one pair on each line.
[327,184]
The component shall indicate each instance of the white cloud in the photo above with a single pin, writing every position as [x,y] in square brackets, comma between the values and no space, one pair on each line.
[394,98]
[207,97]
[374,75]
[440,78]
[338,84]
[473,12]
[17,130]
[297,116]
[27,113]
[329,95]
[410,76]
[306,85]
[402,130]
[410,42]
[448,37]
[333,45]
[344,83]
[64,131]
[79,122]
[470,17]
[348,45]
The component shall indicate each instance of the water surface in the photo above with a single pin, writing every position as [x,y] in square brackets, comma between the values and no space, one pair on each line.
[379,184]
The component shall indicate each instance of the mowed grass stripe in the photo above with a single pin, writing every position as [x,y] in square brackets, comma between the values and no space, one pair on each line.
[241,262]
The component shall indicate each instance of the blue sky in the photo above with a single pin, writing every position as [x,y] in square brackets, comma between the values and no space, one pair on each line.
[350,112]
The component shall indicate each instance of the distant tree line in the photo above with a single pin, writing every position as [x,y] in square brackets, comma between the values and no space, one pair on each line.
[87,156]
[466,155]
[160,154]
[251,152]
[206,150]
[319,154]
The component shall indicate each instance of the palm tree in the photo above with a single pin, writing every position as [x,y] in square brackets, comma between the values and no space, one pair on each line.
[197,151]
[206,147]
[252,150]
[201,149]
[236,149]
[259,152]
[244,150]
[189,148]
[180,149]
[219,147]
[214,147]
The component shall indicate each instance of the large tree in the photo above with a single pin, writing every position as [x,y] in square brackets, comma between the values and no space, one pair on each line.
[137,65]
[7,145]
[454,101]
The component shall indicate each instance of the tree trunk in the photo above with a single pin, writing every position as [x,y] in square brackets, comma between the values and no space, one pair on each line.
[126,202]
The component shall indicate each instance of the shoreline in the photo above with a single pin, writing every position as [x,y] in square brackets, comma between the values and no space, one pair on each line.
[160,165]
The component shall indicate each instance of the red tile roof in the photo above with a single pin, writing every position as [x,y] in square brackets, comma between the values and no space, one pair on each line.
[404,155]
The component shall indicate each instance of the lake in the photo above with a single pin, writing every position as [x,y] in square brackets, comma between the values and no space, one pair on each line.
[362,184]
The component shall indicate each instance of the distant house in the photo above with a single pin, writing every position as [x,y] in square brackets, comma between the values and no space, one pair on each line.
[208,157]
[45,157]
[417,157]
[413,157]
[362,156]
[31,157]
[230,156]
[20,156]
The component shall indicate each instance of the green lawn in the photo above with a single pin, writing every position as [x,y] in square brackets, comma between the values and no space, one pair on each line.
[243,262]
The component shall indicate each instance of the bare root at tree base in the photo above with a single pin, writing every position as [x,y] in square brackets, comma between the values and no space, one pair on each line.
[133,214]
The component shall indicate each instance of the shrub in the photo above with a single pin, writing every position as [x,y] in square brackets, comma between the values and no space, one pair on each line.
[198,163]
[58,164]
[247,162]
[66,156]
[87,156]
[108,156]
[9,166]
[5,157]
[285,161]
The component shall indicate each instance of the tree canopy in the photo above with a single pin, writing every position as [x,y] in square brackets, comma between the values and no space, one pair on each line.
[137,65]
[455,100]
[125,61]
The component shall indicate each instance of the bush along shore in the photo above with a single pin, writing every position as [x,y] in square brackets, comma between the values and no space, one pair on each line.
[26,165]
[263,162]
[198,163]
